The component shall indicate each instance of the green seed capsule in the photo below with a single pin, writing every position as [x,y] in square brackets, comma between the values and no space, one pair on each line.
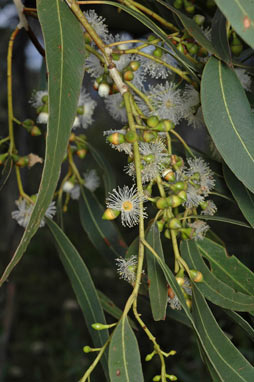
[174,201]
[183,195]
[110,214]
[128,75]
[169,175]
[178,186]
[165,125]
[149,136]
[134,65]
[196,276]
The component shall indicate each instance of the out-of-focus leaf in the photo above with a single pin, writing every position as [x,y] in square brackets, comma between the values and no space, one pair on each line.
[213,288]
[239,320]
[240,14]
[221,219]
[64,45]
[82,285]
[108,172]
[193,29]
[124,358]
[227,268]
[109,306]
[219,36]
[243,197]
[103,233]
[225,359]
[158,291]
[228,118]
[179,316]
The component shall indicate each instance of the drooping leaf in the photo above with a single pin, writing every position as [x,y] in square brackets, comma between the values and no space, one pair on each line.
[243,197]
[103,234]
[221,219]
[226,360]
[108,172]
[82,285]
[227,268]
[109,306]
[239,320]
[158,292]
[240,14]
[64,45]
[228,118]
[124,358]
[212,288]
[179,316]
[219,36]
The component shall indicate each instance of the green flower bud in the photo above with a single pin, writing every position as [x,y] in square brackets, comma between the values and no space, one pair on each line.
[99,326]
[203,205]
[45,98]
[188,302]
[160,225]
[174,223]
[151,37]
[149,158]
[149,356]
[157,378]
[199,19]
[35,131]
[81,153]
[134,65]
[171,377]
[167,234]
[165,125]
[180,281]
[192,48]
[115,56]
[131,136]
[174,201]
[162,203]
[80,110]
[149,136]
[183,195]
[158,52]
[116,138]
[188,6]
[128,75]
[87,349]
[178,4]
[3,157]
[178,186]
[236,45]
[28,123]
[22,161]
[180,47]
[186,233]
[152,121]
[169,175]
[196,276]
[110,214]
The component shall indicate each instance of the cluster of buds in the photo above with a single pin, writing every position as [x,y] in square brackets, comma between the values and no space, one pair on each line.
[78,145]
[31,127]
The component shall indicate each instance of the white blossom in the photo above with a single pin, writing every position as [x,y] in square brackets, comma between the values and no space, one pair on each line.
[199,229]
[244,78]
[23,213]
[116,108]
[127,201]
[86,106]
[126,268]
[92,180]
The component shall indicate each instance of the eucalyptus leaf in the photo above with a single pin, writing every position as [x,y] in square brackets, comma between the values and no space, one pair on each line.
[158,291]
[219,36]
[64,46]
[229,119]
[227,268]
[212,288]
[239,320]
[124,358]
[82,285]
[226,360]
[243,197]
[240,14]
[103,233]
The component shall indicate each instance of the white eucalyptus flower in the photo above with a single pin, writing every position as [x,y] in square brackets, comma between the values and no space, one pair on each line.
[127,268]
[23,213]
[92,180]
[174,303]
[201,175]
[127,201]
[86,106]
[244,78]
[116,108]
[97,22]
[210,208]
[200,228]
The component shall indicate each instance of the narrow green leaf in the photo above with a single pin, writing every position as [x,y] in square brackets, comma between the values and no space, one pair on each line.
[240,14]
[215,290]
[64,45]
[227,268]
[158,292]
[239,320]
[221,219]
[109,306]
[103,234]
[228,118]
[227,361]
[219,36]
[124,358]
[179,316]
[82,285]
[243,197]
[108,172]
